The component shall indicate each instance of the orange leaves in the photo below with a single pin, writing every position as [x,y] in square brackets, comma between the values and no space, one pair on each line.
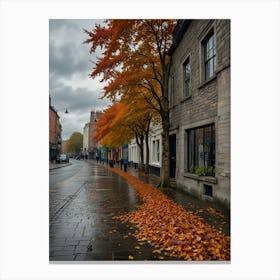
[110,129]
[122,122]
[134,51]
[174,231]
[157,251]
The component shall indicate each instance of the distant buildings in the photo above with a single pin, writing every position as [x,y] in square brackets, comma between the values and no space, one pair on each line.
[55,130]
[86,139]
[91,147]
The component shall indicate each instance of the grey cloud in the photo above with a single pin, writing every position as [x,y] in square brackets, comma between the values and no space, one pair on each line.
[68,54]
[79,103]
[70,61]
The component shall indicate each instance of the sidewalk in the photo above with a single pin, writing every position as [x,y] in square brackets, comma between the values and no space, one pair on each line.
[214,214]
[57,165]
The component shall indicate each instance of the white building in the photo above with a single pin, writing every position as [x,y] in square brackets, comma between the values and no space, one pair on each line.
[155,151]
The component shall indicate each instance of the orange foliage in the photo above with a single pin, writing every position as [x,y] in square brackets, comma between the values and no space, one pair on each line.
[135,54]
[109,129]
[135,62]
[172,229]
[118,124]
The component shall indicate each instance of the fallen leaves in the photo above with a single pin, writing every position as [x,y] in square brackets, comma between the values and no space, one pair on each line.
[173,230]
[156,251]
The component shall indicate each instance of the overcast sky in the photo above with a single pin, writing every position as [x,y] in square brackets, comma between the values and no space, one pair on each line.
[70,65]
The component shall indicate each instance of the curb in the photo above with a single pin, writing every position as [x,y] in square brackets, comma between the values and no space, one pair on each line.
[60,166]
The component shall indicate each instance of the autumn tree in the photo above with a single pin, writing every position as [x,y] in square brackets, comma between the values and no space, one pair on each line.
[75,142]
[121,123]
[135,60]
[109,129]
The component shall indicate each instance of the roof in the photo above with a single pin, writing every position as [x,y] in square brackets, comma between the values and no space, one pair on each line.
[178,33]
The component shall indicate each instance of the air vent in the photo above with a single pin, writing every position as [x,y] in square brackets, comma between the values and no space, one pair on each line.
[208,190]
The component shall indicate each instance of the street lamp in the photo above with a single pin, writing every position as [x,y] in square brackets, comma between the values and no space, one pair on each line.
[66,110]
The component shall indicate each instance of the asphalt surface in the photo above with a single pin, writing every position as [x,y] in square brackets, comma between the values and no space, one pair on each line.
[84,198]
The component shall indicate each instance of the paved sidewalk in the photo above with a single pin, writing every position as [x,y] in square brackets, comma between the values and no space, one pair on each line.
[213,213]
[57,165]
[83,203]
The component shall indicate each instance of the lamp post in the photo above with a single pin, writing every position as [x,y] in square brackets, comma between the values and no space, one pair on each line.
[66,110]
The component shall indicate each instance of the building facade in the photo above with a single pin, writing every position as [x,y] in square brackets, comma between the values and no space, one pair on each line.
[55,129]
[155,151]
[199,96]
[91,147]
[85,139]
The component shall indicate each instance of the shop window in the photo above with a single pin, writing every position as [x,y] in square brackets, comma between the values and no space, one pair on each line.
[200,145]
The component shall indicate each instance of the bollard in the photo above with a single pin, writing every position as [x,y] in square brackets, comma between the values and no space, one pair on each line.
[125,167]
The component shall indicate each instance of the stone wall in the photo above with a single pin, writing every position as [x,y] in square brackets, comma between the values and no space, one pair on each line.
[209,102]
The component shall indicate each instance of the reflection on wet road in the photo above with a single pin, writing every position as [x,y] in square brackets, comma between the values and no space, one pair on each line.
[83,199]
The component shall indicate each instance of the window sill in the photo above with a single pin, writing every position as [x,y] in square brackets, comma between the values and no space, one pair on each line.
[207,179]
[204,83]
[155,164]
[186,98]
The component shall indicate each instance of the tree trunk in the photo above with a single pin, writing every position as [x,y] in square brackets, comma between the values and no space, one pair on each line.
[147,153]
[140,143]
[164,171]
[142,156]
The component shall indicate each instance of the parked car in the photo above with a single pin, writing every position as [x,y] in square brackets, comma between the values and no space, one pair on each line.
[62,158]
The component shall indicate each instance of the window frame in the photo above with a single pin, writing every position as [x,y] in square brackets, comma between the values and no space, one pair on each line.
[193,143]
[187,62]
[208,60]
[156,151]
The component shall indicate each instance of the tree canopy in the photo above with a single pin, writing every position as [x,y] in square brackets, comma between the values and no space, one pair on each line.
[75,142]
[135,61]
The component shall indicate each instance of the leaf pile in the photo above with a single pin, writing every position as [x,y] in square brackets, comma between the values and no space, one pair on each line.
[170,228]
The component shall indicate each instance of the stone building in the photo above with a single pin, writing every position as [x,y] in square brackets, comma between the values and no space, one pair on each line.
[200,108]
[55,130]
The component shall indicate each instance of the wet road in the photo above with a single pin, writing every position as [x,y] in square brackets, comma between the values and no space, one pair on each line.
[83,199]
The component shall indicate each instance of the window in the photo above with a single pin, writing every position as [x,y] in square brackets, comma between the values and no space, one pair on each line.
[187,77]
[209,56]
[201,150]
[156,151]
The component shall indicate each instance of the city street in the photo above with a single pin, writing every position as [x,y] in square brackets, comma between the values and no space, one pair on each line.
[84,197]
